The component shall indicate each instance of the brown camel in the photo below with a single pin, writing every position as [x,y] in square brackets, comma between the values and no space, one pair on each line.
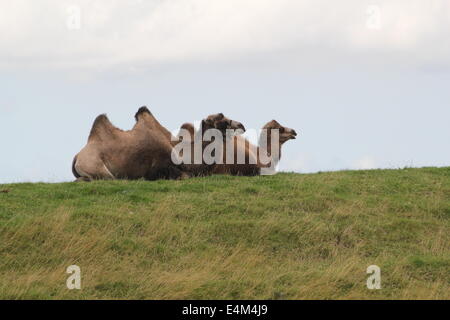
[112,153]
[145,151]
[196,142]
[251,162]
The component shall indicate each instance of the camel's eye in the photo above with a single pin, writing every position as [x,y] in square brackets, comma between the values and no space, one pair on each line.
[282,130]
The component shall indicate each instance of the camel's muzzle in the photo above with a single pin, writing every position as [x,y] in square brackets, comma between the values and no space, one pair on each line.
[293,134]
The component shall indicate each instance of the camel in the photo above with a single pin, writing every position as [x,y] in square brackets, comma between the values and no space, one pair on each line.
[112,153]
[252,162]
[145,151]
[197,142]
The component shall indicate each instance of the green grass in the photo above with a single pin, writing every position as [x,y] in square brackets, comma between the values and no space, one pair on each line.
[289,236]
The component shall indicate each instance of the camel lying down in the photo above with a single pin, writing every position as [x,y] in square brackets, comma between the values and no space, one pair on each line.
[244,159]
[145,151]
[256,160]
[195,143]
[111,153]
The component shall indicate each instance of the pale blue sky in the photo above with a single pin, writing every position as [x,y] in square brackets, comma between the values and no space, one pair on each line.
[356,104]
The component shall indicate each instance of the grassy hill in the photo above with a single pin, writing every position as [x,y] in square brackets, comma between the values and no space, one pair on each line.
[289,236]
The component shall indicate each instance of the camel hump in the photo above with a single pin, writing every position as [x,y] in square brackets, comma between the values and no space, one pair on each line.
[102,128]
[142,110]
[146,119]
[189,127]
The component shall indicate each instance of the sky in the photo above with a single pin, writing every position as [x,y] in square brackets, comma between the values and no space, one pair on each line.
[364,83]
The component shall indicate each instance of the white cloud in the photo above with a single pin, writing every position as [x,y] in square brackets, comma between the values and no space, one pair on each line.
[112,32]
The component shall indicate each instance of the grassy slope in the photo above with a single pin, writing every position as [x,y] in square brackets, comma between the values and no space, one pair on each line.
[288,236]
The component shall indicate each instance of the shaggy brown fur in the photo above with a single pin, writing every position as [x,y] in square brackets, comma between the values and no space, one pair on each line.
[253,164]
[142,152]
[215,121]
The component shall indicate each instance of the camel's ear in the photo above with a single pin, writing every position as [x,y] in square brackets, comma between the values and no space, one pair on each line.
[220,116]
[141,111]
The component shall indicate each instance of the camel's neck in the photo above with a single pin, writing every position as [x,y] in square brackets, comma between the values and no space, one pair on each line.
[266,152]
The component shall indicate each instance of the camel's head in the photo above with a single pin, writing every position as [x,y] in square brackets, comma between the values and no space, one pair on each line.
[220,122]
[285,133]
